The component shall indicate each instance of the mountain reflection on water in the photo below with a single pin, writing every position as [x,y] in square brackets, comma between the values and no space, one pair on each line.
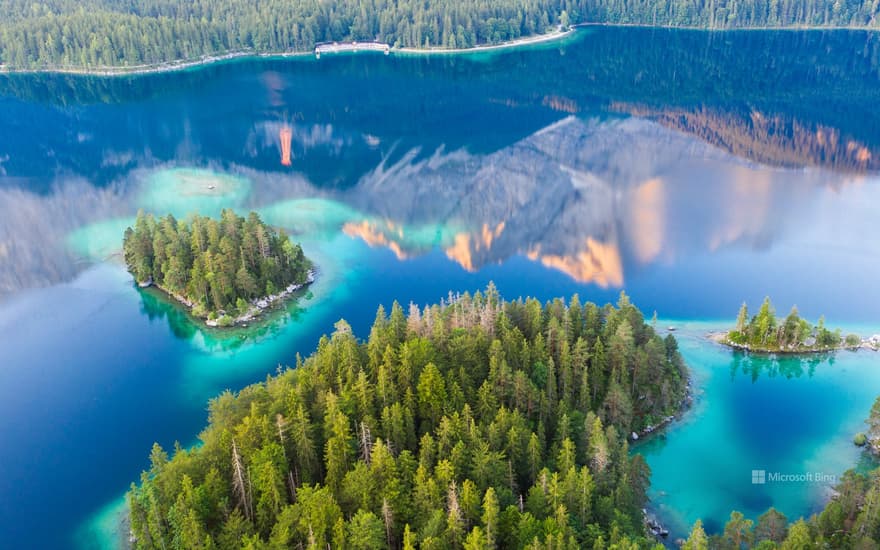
[592,198]
[598,157]
[696,170]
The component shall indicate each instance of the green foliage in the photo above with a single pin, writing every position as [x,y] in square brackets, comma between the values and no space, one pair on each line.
[798,537]
[217,266]
[378,444]
[772,526]
[697,539]
[101,33]
[873,423]
[852,340]
[765,332]
[738,533]
[727,14]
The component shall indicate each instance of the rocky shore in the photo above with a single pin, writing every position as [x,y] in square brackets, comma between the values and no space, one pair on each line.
[872,343]
[686,404]
[653,525]
[257,306]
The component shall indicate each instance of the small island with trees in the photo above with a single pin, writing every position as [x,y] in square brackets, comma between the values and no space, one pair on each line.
[765,333]
[225,271]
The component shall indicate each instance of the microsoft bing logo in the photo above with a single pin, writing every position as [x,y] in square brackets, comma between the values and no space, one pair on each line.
[759,477]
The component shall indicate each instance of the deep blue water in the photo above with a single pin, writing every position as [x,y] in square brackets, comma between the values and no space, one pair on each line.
[693,170]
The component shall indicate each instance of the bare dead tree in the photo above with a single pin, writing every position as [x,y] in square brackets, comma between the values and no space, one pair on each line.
[241,482]
[282,425]
[414,319]
[366,442]
[453,508]
[388,516]
[510,479]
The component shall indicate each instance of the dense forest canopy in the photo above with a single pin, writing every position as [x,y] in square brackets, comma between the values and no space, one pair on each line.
[103,33]
[217,266]
[476,423]
[726,14]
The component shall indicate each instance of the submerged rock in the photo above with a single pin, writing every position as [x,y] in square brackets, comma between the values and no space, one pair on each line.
[654,526]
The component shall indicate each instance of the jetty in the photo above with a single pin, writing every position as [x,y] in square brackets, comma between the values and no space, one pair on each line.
[343,47]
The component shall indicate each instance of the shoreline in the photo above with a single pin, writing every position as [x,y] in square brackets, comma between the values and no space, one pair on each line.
[868,344]
[684,407]
[345,48]
[254,314]
[652,522]
[793,28]
[511,44]
[165,67]
[208,60]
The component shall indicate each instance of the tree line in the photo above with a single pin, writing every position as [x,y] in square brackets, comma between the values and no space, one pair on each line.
[101,33]
[93,33]
[216,266]
[730,14]
[474,423]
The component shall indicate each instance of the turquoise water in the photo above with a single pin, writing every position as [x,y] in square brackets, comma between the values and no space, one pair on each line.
[693,170]
[790,415]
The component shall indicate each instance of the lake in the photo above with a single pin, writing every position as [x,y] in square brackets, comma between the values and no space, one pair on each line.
[693,170]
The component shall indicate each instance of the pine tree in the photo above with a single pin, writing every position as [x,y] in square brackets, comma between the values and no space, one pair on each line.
[490,518]
[742,319]
[697,539]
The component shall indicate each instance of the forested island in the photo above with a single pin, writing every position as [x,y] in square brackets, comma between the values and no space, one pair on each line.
[96,35]
[226,271]
[476,423]
[766,333]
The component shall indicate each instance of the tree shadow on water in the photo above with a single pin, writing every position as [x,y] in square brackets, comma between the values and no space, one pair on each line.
[788,366]
[157,306]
